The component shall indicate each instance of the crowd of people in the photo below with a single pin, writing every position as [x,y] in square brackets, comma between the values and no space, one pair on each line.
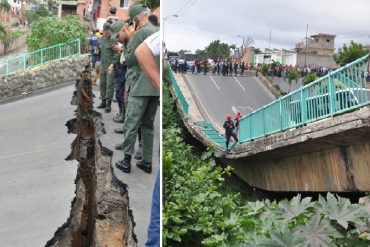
[221,66]
[236,67]
[129,59]
[280,70]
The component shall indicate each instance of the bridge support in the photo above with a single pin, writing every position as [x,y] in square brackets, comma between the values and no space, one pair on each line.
[329,155]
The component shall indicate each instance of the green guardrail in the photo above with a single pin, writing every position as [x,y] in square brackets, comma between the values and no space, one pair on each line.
[179,94]
[210,131]
[340,91]
[42,56]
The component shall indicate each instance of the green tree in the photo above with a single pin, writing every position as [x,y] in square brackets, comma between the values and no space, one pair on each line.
[31,16]
[265,69]
[4,4]
[49,31]
[275,64]
[201,54]
[42,11]
[52,7]
[310,77]
[292,75]
[152,4]
[182,52]
[217,49]
[4,36]
[349,53]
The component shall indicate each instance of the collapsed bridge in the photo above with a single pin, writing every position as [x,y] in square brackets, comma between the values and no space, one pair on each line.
[313,139]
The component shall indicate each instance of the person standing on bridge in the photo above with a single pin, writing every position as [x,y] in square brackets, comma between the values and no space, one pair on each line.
[242,68]
[229,131]
[205,66]
[108,59]
[236,120]
[236,67]
[143,98]
[121,67]
[94,50]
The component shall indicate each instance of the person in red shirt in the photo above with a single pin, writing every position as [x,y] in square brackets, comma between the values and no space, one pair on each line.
[236,121]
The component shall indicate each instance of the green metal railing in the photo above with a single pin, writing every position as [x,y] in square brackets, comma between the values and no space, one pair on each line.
[340,91]
[42,56]
[179,94]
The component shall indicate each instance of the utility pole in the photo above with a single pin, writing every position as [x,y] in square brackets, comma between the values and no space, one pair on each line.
[242,45]
[305,53]
[270,39]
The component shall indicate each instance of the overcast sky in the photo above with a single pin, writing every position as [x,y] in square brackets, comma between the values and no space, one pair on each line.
[201,21]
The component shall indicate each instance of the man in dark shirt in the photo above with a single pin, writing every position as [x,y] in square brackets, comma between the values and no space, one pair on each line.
[229,131]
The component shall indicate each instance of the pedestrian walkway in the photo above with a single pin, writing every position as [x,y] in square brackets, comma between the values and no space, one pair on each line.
[37,184]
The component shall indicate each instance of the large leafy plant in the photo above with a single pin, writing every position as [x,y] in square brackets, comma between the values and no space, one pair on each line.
[48,31]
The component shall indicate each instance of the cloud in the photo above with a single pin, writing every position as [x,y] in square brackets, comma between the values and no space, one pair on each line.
[207,20]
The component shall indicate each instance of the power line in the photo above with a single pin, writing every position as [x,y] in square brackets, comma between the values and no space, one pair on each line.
[183,6]
[188,7]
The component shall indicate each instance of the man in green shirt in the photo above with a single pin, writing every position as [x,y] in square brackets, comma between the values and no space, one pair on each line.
[108,59]
[143,98]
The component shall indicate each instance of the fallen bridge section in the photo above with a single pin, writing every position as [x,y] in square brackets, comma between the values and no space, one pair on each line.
[330,155]
[100,214]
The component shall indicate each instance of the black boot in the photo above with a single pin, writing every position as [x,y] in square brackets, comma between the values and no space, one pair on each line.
[103,104]
[119,146]
[125,164]
[139,154]
[145,166]
[119,117]
[118,131]
[108,107]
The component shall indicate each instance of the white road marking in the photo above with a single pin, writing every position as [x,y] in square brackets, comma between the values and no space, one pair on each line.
[201,103]
[239,83]
[214,82]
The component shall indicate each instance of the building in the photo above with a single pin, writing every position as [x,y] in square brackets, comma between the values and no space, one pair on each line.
[320,44]
[96,9]
[67,8]
[248,55]
[12,16]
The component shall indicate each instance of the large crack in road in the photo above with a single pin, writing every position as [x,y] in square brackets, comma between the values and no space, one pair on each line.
[100,214]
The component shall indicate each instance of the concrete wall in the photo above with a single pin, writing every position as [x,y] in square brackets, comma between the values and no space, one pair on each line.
[318,60]
[44,76]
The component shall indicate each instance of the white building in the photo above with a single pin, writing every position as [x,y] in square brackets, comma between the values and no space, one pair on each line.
[16,7]
[281,56]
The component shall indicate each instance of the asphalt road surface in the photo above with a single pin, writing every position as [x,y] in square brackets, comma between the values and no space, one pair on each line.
[37,184]
[217,96]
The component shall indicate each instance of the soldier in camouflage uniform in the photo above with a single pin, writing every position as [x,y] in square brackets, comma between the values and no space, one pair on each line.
[108,59]
[143,98]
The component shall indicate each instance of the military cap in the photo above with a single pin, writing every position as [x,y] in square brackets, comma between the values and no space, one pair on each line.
[107,27]
[116,27]
[137,9]
[112,9]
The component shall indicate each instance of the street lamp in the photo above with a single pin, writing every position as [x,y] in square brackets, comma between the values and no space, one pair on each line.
[242,44]
[169,17]
[165,20]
